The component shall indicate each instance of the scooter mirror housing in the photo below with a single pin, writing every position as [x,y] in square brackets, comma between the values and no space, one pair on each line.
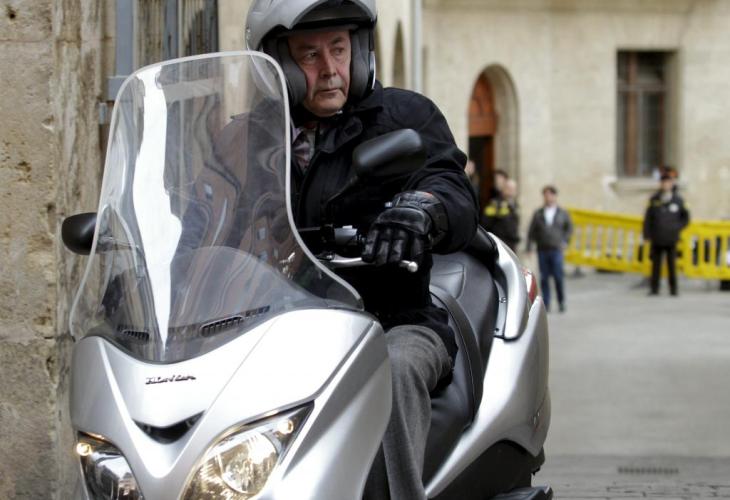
[394,154]
[77,232]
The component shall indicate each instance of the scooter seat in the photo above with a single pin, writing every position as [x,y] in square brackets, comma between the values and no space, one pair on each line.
[462,284]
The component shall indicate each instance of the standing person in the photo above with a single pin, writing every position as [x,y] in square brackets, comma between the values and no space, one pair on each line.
[665,218]
[550,229]
[473,175]
[325,49]
[501,216]
[500,177]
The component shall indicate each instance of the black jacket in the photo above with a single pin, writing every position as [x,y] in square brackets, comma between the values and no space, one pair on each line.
[664,220]
[394,295]
[552,237]
[503,219]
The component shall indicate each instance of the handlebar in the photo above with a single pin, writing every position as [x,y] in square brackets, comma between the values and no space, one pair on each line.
[338,262]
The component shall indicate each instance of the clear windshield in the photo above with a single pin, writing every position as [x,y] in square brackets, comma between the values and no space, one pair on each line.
[195,242]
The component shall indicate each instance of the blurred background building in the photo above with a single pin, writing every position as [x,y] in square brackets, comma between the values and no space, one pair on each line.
[591,95]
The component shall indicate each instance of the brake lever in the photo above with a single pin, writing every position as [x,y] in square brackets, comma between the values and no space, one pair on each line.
[338,262]
[349,236]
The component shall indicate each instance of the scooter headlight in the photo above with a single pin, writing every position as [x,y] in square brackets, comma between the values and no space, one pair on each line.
[238,465]
[106,471]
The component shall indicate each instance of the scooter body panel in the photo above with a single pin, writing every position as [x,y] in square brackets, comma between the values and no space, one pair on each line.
[333,455]
[349,384]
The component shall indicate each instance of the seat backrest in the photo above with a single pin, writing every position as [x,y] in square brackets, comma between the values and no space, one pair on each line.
[470,283]
[453,402]
[462,284]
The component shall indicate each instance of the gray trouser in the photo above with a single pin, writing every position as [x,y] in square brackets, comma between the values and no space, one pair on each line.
[418,360]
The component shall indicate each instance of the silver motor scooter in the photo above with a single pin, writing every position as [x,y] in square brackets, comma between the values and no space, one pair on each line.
[217,357]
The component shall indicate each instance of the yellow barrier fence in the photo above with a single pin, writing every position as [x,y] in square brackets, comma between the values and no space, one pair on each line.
[614,242]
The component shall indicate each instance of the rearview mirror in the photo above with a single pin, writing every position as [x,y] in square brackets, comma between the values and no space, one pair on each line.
[390,155]
[77,232]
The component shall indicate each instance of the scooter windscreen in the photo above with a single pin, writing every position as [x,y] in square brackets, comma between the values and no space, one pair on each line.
[195,242]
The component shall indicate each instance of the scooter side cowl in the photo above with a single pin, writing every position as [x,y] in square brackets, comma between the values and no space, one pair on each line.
[514,407]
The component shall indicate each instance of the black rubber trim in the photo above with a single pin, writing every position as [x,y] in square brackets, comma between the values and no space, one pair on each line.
[502,468]
[167,435]
[535,493]
[467,334]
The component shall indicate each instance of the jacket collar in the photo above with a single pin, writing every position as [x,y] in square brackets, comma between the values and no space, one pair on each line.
[347,125]
[557,208]
[373,100]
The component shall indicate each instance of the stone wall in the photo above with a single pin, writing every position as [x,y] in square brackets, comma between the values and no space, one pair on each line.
[27,252]
[49,166]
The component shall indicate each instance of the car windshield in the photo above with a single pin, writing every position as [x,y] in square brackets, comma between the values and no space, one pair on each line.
[195,242]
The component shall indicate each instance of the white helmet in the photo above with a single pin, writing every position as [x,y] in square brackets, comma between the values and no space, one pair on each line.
[270,21]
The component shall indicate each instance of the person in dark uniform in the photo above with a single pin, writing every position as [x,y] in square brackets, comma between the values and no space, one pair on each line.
[500,177]
[501,216]
[665,218]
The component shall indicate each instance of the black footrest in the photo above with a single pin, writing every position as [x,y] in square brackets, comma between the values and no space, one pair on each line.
[535,493]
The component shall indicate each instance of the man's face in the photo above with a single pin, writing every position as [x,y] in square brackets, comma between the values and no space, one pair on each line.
[325,60]
[509,189]
[549,197]
[499,180]
[666,185]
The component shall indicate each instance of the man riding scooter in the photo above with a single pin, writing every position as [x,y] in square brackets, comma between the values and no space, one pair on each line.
[326,49]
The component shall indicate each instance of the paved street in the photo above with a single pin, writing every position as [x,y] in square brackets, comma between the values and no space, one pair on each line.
[641,404]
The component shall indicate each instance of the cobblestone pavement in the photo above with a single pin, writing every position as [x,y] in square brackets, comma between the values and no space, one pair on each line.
[641,403]
[609,478]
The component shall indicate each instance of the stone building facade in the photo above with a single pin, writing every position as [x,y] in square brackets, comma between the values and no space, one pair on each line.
[549,70]
[553,68]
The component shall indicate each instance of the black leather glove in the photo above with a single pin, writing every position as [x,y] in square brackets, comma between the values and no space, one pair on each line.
[414,223]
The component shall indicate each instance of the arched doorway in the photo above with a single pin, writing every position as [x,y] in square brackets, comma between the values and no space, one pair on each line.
[493,128]
[482,129]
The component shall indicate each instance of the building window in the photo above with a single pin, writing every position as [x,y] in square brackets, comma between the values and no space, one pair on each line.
[150,31]
[643,112]
[175,28]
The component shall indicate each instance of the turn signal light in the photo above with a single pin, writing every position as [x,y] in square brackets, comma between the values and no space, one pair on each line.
[531,285]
